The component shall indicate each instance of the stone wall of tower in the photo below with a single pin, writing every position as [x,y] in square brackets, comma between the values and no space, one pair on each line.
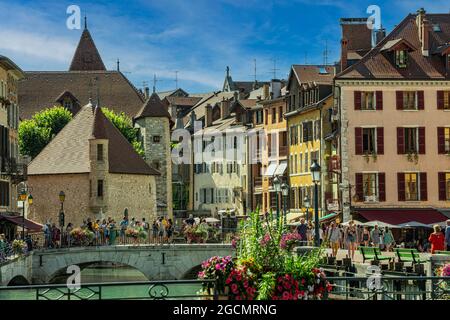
[158,156]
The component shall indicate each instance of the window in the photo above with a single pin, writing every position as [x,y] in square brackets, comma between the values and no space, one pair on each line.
[4,193]
[300,162]
[446,100]
[447,140]
[266,116]
[156,139]
[307,131]
[368,101]
[99,152]
[370,187]
[295,164]
[411,140]
[306,162]
[156,164]
[100,188]
[259,116]
[280,114]
[447,185]
[274,115]
[369,140]
[401,58]
[410,100]
[411,186]
[68,104]
[317,130]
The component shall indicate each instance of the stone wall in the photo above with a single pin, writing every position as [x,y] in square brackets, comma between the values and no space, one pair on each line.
[18,267]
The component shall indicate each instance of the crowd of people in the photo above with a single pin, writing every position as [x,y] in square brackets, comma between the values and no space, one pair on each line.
[339,236]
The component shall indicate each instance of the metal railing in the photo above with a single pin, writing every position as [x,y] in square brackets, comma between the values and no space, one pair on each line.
[389,288]
[140,290]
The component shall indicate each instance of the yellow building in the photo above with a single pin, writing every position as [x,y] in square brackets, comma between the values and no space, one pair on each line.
[310,132]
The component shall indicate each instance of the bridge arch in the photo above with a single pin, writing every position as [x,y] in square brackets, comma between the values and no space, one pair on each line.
[18,280]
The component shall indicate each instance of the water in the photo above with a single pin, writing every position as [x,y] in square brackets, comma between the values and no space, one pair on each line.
[108,273]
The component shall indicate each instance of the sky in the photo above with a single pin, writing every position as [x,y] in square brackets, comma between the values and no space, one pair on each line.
[197,38]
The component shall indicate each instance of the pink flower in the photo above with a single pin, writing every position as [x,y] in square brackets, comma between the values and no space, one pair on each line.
[246,284]
[234,287]
[286,295]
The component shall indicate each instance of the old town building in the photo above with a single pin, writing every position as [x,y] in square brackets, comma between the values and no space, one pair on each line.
[393,110]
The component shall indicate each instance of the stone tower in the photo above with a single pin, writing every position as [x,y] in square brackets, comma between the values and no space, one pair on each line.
[153,121]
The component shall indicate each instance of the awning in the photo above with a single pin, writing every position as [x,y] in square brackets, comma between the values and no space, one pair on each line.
[399,216]
[19,221]
[328,217]
[414,224]
[281,168]
[294,216]
[271,169]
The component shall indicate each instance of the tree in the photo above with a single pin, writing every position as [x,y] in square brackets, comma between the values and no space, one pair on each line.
[122,122]
[36,133]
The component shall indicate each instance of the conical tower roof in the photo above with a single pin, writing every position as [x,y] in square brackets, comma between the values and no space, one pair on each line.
[153,107]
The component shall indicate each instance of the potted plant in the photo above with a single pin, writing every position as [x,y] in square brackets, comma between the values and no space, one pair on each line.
[19,247]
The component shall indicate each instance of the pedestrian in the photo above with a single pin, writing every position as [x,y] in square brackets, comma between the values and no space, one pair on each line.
[123,228]
[447,235]
[366,237]
[155,231]
[302,229]
[160,230]
[3,247]
[350,236]
[146,227]
[56,234]
[190,221]
[334,237]
[437,239]
[47,235]
[69,229]
[309,233]
[169,230]
[113,232]
[375,235]
[320,234]
[388,238]
[96,227]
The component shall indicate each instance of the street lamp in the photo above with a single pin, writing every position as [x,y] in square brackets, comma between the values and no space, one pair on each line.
[315,175]
[277,187]
[62,197]
[285,192]
[23,198]
[307,206]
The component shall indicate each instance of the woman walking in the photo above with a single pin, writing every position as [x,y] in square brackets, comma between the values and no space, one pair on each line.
[351,239]
[366,237]
[437,239]
[334,236]
[388,239]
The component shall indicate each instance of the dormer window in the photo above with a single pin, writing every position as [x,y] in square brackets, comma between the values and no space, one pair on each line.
[401,58]
[68,104]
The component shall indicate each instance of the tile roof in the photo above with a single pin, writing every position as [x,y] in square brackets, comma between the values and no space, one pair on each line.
[86,57]
[379,65]
[183,101]
[68,152]
[169,93]
[40,90]
[311,73]
[153,107]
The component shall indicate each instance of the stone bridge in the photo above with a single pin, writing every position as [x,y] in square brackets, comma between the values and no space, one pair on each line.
[156,262]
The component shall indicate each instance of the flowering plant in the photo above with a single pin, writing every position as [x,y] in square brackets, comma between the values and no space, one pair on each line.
[82,236]
[288,240]
[217,268]
[132,232]
[444,271]
[19,246]
[242,284]
[196,233]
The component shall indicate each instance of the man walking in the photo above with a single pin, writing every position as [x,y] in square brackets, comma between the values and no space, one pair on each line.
[301,229]
[447,235]
[375,235]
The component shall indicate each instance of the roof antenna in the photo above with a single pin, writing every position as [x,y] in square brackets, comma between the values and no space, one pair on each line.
[85,22]
[176,79]
[274,70]
[155,80]
[118,64]
[325,54]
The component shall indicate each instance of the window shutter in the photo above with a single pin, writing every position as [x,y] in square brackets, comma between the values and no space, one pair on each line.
[381,186]
[400,141]
[357,95]
[358,141]
[423,186]
[380,140]
[379,100]
[359,186]
[399,98]
[441,140]
[420,100]
[422,140]
[442,191]
[401,186]
[440,99]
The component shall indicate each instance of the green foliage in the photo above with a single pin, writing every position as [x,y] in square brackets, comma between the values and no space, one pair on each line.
[122,122]
[36,133]
[266,286]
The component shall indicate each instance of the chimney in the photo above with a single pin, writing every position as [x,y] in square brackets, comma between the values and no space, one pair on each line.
[344,53]
[380,34]
[147,92]
[208,115]
[225,109]
[275,88]
[426,29]
[235,96]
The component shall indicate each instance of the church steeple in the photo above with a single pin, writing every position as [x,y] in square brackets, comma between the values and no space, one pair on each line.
[86,57]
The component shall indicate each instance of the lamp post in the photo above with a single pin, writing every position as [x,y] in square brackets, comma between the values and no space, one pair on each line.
[315,175]
[307,206]
[62,197]
[285,192]
[23,198]
[277,187]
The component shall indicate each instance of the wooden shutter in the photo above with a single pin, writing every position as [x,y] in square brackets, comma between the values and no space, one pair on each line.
[423,186]
[381,186]
[358,141]
[379,100]
[357,99]
[421,140]
[401,186]
[400,140]
[420,100]
[440,99]
[399,98]
[441,140]
[380,140]
[359,190]
[442,190]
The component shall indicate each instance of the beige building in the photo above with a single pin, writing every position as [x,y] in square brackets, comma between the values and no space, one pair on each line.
[394,112]
[98,170]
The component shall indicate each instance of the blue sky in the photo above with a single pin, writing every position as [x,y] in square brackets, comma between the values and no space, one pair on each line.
[198,38]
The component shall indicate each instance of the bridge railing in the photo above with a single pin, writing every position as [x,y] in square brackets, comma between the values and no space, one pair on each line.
[141,290]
